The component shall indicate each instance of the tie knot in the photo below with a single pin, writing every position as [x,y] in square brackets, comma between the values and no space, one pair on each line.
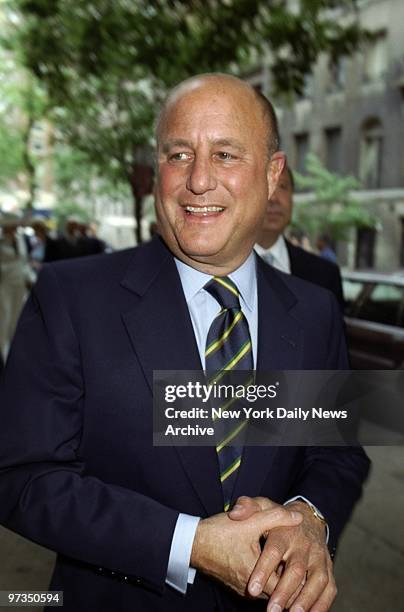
[224,291]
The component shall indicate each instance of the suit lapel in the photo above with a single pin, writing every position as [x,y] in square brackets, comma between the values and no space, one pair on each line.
[280,347]
[298,264]
[280,336]
[162,336]
[159,324]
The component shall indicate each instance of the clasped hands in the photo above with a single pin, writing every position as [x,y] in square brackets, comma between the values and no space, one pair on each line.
[293,569]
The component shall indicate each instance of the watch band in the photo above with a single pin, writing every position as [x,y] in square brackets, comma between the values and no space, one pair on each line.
[316,512]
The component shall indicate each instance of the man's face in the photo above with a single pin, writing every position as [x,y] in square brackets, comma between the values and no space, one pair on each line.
[279,210]
[214,176]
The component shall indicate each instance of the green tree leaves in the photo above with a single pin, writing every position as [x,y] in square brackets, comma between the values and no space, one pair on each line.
[330,207]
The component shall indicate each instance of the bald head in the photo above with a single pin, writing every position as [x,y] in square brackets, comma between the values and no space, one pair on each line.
[217,84]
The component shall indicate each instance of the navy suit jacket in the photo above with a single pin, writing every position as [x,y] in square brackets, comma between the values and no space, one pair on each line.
[315,269]
[78,471]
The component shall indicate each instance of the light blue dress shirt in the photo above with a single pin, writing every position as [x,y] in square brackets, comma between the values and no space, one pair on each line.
[203,308]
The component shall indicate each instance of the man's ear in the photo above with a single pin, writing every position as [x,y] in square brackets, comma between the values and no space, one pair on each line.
[275,167]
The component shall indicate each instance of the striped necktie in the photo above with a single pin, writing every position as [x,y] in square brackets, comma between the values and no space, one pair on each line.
[228,347]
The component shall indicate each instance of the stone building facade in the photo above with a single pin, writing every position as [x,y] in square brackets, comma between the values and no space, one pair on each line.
[352,116]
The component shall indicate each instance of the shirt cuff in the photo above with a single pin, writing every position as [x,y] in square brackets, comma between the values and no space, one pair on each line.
[308,502]
[179,574]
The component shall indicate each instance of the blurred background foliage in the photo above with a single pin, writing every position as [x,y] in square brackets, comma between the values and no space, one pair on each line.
[329,206]
[98,70]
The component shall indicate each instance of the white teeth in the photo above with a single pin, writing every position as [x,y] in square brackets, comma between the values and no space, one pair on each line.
[203,209]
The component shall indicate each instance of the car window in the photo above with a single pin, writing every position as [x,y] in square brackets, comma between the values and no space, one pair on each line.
[383,305]
[352,290]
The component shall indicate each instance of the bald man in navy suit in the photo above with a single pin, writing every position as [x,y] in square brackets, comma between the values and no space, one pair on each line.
[142,527]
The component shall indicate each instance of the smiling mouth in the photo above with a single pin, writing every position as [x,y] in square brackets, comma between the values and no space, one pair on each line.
[274,213]
[203,210]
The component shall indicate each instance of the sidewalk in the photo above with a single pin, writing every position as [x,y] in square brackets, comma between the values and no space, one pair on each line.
[370,563]
[369,566]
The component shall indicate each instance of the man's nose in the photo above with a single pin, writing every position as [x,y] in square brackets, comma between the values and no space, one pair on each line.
[274,199]
[201,177]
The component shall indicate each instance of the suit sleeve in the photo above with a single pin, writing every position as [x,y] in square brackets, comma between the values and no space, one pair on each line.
[332,477]
[337,287]
[45,494]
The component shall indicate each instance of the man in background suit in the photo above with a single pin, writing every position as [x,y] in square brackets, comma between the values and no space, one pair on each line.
[273,247]
[142,527]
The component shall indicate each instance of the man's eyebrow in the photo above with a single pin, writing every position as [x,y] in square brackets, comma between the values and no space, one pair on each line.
[220,142]
[230,142]
[175,142]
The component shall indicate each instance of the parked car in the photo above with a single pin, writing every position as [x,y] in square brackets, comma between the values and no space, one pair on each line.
[374,316]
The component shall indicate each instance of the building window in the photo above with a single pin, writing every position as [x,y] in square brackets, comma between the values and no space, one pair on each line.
[333,152]
[365,247]
[375,58]
[337,70]
[307,88]
[301,150]
[370,161]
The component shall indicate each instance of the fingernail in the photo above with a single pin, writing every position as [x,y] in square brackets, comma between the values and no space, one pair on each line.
[275,608]
[295,515]
[298,609]
[255,588]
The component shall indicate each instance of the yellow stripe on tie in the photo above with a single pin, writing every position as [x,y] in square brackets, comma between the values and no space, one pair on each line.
[226,506]
[231,435]
[243,350]
[222,282]
[232,468]
[230,365]
[220,341]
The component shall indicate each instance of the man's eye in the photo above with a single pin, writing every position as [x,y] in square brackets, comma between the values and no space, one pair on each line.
[181,156]
[224,155]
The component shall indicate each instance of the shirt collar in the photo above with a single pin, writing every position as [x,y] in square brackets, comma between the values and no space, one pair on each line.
[244,277]
[280,252]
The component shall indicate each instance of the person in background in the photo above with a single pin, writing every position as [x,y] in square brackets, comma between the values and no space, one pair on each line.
[88,242]
[91,231]
[325,248]
[15,276]
[300,239]
[65,245]
[41,243]
[276,250]
[76,241]
[153,229]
